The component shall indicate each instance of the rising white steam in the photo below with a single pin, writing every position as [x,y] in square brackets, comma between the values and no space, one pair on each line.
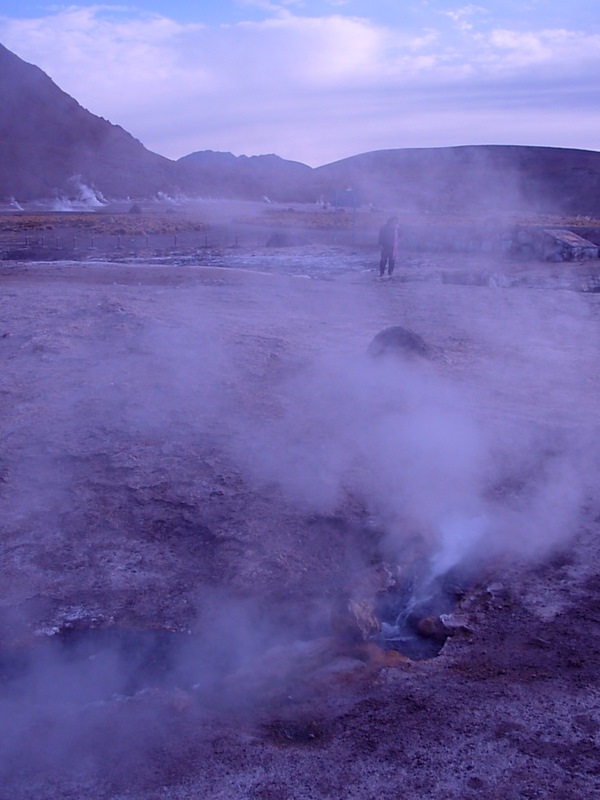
[404,438]
[82,198]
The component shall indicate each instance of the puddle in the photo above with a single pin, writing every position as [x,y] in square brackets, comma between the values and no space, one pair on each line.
[85,666]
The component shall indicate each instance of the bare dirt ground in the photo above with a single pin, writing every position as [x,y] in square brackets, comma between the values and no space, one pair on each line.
[199,463]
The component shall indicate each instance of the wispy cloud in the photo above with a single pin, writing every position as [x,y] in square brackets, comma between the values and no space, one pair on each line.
[463,16]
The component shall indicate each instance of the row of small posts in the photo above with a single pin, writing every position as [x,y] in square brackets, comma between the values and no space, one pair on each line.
[74,242]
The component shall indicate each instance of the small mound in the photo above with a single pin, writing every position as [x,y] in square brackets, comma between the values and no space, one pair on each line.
[397,340]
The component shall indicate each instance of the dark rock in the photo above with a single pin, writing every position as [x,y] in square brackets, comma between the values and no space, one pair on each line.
[433,628]
[399,341]
[356,621]
[357,617]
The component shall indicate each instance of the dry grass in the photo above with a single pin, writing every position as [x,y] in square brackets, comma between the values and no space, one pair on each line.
[121,224]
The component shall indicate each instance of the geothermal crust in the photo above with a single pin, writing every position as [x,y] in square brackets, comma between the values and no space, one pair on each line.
[200,463]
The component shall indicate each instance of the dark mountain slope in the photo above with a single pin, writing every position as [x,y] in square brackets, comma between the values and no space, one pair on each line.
[472,178]
[47,139]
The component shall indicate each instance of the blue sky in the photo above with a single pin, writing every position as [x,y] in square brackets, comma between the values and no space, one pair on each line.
[318,80]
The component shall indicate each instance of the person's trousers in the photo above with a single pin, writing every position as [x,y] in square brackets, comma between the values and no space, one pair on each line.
[387,258]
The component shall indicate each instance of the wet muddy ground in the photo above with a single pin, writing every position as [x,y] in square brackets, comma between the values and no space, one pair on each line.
[200,465]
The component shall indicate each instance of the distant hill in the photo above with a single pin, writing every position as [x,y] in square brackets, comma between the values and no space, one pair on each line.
[250,177]
[483,178]
[52,147]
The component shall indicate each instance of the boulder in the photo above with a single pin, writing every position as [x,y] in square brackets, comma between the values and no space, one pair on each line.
[564,245]
[400,341]
[356,621]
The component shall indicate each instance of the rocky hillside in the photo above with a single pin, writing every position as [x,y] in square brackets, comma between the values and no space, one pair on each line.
[50,145]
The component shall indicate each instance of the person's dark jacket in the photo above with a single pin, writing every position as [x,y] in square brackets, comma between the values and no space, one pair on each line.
[387,235]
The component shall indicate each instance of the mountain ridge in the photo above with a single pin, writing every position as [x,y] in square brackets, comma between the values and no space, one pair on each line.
[50,146]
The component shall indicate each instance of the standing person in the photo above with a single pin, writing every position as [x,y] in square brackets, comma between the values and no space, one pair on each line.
[388,241]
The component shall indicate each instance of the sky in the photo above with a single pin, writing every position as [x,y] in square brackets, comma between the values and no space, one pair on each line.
[319,80]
